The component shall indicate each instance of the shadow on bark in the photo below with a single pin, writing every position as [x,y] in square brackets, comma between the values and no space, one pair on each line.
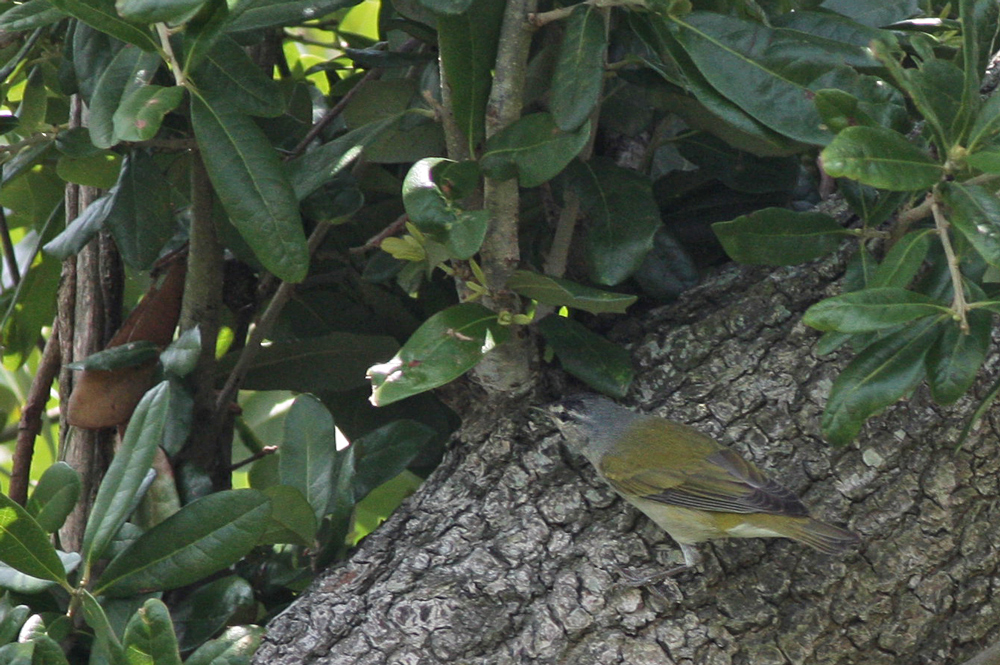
[509,553]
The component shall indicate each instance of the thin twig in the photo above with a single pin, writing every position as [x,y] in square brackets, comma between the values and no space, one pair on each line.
[8,249]
[332,114]
[31,417]
[261,454]
[376,240]
[958,303]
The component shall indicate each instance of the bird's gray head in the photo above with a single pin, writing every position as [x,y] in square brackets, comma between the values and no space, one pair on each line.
[591,423]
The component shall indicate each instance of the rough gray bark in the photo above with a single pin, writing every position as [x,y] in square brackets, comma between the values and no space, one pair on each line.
[509,552]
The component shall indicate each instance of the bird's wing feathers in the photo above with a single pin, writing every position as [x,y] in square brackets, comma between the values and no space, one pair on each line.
[704,477]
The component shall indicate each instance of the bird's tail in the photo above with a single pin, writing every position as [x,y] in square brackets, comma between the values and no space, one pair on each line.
[821,536]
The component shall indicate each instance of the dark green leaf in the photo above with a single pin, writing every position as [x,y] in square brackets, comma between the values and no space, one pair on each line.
[446,346]
[142,216]
[141,113]
[17,653]
[579,73]
[30,15]
[333,362]
[975,213]
[180,412]
[776,236]
[258,14]
[105,638]
[307,452]
[936,87]
[386,452]
[55,496]
[986,124]
[82,229]
[871,309]
[181,357]
[881,158]
[236,647]
[562,292]
[431,207]
[623,219]
[881,374]
[211,608]
[903,260]
[12,617]
[600,364]
[252,185]
[157,11]
[874,14]
[205,536]
[293,520]
[228,71]
[766,72]
[118,357]
[737,169]
[467,46]
[24,546]
[985,160]
[120,489]
[954,361]
[533,149]
[149,636]
[99,171]
[129,70]
[841,35]
[447,6]
[101,15]
[318,166]
[47,651]
[18,582]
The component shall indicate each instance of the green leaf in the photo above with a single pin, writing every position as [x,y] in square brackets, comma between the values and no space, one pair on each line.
[101,170]
[205,536]
[180,412]
[259,14]
[975,213]
[430,205]
[47,651]
[839,34]
[903,260]
[332,362]
[20,583]
[118,357]
[874,14]
[871,309]
[157,11]
[236,647]
[307,452]
[181,357]
[768,73]
[467,47]
[252,185]
[17,653]
[130,69]
[141,113]
[149,636]
[623,218]
[881,374]
[315,168]
[105,637]
[881,158]
[579,73]
[533,149]
[82,229]
[985,126]
[12,617]
[447,6]
[985,160]
[386,452]
[443,348]
[562,292]
[54,496]
[228,71]
[954,361]
[776,236]
[24,545]
[211,608]
[116,497]
[600,364]
[30,15]
[101,15]
[293,520]
[142,216]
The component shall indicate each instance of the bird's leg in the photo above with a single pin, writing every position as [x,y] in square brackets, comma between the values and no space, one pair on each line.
[692,559]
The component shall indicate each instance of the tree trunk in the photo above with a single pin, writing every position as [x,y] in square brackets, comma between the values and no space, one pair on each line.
[511,551]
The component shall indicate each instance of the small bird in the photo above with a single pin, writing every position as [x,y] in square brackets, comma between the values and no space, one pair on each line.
[689,485]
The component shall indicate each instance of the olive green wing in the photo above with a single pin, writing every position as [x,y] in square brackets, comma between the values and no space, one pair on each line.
[693,471]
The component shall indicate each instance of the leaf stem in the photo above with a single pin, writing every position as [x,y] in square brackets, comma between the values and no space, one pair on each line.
[958,304]
[168,53]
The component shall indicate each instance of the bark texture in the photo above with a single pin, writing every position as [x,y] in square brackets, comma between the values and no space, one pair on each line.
[510,552]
